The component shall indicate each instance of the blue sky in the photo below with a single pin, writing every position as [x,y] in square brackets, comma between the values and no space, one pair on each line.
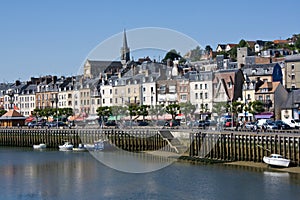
[55,37]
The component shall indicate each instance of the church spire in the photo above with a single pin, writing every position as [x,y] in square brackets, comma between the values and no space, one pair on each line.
[125,52]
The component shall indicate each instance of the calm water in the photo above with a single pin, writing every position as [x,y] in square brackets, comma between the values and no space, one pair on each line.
[29,174]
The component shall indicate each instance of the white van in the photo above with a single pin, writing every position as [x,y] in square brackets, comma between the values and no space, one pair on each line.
[291,123]
[262,122]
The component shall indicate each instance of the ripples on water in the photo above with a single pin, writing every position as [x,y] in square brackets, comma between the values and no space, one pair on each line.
[28,174]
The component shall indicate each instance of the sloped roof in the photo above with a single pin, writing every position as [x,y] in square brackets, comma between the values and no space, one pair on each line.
[271,86]
[12,114]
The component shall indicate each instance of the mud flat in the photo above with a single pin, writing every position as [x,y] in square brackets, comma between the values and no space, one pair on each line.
[265,166]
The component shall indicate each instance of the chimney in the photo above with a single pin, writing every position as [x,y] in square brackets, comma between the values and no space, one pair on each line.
[18,83]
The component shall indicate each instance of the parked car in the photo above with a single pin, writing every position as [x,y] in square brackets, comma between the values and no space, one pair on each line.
[228,123]
[271,126]
[250,125]
[203,124]
[143,123]
[110,123]
[32,124]
[297,123]
[282,125]
[172,123]
[291,123]
[56,124]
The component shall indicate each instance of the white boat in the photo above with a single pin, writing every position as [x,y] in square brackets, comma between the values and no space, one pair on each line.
[276,160]
[40,146]
[81,147]
[66,146]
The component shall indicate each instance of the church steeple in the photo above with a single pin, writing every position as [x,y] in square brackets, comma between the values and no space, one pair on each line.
[125,51]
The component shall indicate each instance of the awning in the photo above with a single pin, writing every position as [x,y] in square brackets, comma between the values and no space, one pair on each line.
[115,117]
[180,116]
[92,117]
[266,115]
[30,119]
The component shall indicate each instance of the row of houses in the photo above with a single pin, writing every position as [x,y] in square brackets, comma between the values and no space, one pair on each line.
[152,83]
[203,83]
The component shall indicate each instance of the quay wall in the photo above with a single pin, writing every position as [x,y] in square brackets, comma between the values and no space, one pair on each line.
[224,146]
[239,146]
[130,140]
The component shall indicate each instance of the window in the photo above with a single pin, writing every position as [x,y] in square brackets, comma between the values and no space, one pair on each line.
[205,86]
[116,91]
[128,90]
[229,84]
[201,95]
[196,86]
[292,67]
[200,86]
[103,101]
[110,91]
[293,77]
[196,95]
[183,97]
[248,96]
[206,96]
[144,89]
[103,92]
[110,100]
[172,89]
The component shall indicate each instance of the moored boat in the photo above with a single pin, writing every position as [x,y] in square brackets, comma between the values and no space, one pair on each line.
[81,147]
[66,146]
[40,146]
[276,160]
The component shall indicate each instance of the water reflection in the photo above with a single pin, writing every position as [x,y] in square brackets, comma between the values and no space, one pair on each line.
[28,174]
[132,162]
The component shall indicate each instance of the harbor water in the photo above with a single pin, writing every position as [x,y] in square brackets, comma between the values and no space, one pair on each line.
[52,174]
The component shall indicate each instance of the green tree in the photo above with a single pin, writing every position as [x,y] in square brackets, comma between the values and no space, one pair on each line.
[133,111]
[243,43]
[219,108]
[188,109]
[65,112]
[143,111]
[255,107]
[172,55]
[118,111]
[157,110]
[208,49]
[195,54]
[104,111]
[297,44]
[173,109]
[235,108]
[2,112]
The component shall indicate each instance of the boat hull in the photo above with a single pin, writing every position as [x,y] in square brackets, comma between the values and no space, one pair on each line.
[40,146]
[66,147]
[280,162]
